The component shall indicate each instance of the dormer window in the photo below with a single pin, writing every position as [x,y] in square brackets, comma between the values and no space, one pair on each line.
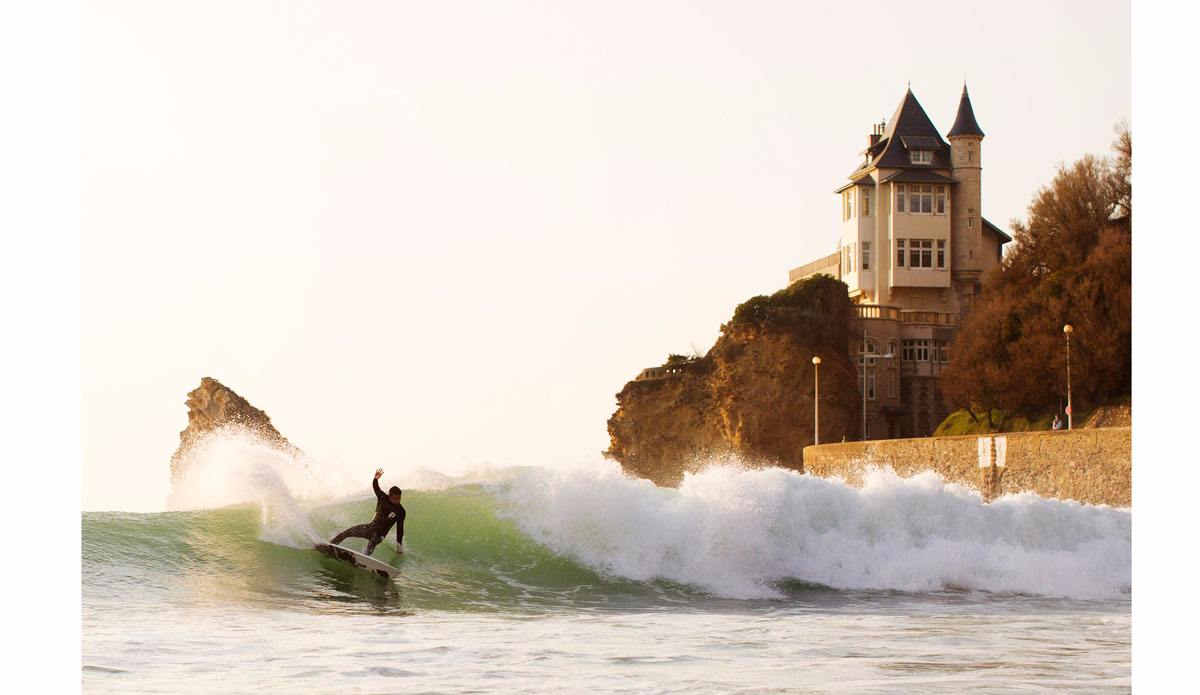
[921,156]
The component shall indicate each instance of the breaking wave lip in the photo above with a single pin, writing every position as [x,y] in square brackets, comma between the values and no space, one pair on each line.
[730,531]
[741,533]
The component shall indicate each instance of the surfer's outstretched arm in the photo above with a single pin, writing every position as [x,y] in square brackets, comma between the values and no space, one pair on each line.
[375,484]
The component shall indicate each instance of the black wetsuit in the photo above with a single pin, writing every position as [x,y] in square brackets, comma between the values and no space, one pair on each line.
[386,514]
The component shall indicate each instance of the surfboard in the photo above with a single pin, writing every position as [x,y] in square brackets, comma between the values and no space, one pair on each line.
[359,560]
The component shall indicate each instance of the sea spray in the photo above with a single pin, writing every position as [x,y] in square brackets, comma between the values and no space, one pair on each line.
[740,533]
[231,467]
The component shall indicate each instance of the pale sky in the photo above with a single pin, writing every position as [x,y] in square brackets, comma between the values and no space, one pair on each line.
[446,234]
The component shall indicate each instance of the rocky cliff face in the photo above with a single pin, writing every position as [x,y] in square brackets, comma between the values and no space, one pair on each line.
[750,398]
[215,407]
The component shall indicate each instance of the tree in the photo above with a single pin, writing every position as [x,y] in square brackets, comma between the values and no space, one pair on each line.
[1071,262]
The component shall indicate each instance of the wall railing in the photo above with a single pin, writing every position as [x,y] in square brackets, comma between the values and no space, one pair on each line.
[877,311]
[661,372]
[937,318]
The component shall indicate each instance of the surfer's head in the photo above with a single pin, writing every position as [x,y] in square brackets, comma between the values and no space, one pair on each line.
[394,495]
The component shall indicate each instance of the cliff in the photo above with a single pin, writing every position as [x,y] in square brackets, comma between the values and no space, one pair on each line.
[750,398]
[215,407]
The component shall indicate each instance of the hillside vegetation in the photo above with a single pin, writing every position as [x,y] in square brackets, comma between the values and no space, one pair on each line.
[1070,263]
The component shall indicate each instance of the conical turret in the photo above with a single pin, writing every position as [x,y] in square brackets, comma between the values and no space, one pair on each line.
[966,232]
[964,123]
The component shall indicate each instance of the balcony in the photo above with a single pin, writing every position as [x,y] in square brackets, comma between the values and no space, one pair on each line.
[877,311]
[931,318]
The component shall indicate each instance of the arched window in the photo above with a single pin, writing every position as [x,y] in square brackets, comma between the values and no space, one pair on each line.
[893,377]
[873,356]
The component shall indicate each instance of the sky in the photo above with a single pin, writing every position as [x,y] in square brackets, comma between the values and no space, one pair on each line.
[446,234]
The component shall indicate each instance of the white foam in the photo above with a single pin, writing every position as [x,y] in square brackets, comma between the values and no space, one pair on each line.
[231,467]
[737,532]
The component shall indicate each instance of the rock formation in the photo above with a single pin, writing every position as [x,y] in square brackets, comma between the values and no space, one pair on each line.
[215,407]
[750,399]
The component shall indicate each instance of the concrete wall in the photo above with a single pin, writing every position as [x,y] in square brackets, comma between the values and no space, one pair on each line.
[1093,466]
[829,265]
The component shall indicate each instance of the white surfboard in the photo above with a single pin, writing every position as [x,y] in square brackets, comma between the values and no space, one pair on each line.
[357,559]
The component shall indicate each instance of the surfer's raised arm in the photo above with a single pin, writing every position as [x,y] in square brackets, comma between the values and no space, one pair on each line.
[375,484]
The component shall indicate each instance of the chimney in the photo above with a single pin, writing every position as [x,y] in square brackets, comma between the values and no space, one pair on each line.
[876,133]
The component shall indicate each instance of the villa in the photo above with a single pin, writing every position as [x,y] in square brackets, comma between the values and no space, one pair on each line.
[913,248]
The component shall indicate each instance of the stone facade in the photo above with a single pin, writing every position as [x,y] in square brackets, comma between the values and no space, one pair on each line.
[1092,466]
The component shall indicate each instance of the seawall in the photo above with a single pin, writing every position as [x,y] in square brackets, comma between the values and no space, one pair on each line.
[1093,466]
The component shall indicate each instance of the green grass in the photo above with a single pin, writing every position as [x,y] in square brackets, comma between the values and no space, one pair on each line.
[960,423]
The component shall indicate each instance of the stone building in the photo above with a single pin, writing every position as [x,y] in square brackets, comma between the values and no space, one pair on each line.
[913,248]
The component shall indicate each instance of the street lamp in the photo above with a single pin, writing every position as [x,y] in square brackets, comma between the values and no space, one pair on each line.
[816,402]
[864,381]
[1068,330]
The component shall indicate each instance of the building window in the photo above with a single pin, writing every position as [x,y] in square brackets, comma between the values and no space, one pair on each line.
[970,222]
[941,255]
[894,349]
[866,202]
[847,204]
[921,156]
[920,199]
[900,198]
[916,350]
[899,253]
[941,200]
[920,253]
[866,255]
[869,369]
[970,152]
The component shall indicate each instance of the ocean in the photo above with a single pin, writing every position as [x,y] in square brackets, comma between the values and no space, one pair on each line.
[580,579]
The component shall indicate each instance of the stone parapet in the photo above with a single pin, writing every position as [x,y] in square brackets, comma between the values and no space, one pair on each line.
[1093,466]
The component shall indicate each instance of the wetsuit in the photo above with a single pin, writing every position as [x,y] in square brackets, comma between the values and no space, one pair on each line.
[386,514]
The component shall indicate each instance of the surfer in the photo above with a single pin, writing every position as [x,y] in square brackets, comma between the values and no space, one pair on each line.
[388,511]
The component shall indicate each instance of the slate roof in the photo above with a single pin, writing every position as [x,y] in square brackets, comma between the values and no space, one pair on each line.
[1004,238]
[920,142]
[867,180]
[964,122]
[921,175]
[909,123]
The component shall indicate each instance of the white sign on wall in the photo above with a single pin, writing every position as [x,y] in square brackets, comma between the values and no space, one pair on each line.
[985,452]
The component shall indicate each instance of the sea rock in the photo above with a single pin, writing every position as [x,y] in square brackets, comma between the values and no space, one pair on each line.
[214,407]
[750,399]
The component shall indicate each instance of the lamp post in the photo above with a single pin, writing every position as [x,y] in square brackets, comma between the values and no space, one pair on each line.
[816,401]
[1068,330]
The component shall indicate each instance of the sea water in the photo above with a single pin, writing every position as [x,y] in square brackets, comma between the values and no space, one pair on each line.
[582,579]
